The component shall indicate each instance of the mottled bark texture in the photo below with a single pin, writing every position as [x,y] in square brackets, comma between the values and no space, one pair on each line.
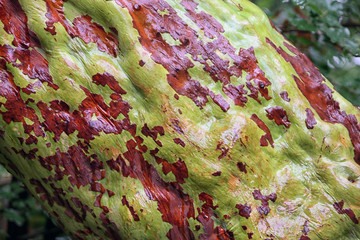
[188,119]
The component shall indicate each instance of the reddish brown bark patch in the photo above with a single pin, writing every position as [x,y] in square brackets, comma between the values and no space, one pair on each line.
[166,194]
[55,14]
[205,217]
[30,61]
[216,174]
[112,231]
[26,154]
[109,80]
[17,110]
[319,94]
[177,59]
[58,196]
[224,150]
[83,27]
[117,105]
[31,140]
[110,193]
[153,133]
[83,207]
[176,125]
[237,94]
[221,70]
[141,63]
[339,207]
[93,32]
[279,115]
[15,23]
[223,234]
[179,141]
[264,209]
[178,168]
[285,96]
[244,210]
[80,169]
[59,118]
[242,167]
[132,211]
[220,101]
[310,120]
[267,138]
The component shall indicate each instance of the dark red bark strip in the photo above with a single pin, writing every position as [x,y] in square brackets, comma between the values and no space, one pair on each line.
[279,115]
[264,138]
[285,96]
[83,27]
[205,217]
[242,167]
[244,210]
[339,207]
[17,110]
[30,61]
[175,58]
[15,23]
[178,168]
[310,82]
[166,194]
[310,120]
[131,209]
[264,209]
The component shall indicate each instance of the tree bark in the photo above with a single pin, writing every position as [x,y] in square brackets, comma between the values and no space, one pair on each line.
[173,119]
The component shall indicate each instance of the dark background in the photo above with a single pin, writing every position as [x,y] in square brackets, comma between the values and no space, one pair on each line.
[327,31]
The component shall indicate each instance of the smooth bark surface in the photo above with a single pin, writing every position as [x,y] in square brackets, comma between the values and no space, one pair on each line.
[173,120]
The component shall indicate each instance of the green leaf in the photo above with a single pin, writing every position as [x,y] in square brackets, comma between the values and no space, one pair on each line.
[14,216]
[315,8]
[304,25]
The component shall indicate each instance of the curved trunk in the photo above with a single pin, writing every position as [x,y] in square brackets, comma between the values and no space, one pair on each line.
[173,119]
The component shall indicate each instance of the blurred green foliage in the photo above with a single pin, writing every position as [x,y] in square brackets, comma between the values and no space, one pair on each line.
[328,32]
[21,209]
[21,216]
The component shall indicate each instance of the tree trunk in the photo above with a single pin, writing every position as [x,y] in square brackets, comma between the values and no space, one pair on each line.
[174,119]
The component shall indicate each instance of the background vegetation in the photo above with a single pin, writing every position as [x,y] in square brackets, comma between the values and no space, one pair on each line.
[327,31]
